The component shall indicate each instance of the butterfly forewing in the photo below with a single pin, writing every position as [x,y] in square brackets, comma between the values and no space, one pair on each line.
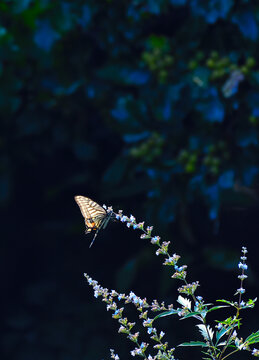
[91,211]
[89,208]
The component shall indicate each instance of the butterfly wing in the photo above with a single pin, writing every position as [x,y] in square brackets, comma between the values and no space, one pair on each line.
[91,211]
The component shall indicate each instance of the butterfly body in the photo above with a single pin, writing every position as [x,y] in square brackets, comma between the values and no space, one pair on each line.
[95,216]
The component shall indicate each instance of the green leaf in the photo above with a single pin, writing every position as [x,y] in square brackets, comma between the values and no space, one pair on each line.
[194,343]
[217,307]
[226,302]
[192,314]
[253,338]
[221,333]
[166,313]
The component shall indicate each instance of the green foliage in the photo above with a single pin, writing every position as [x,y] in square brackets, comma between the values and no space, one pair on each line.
[253,338]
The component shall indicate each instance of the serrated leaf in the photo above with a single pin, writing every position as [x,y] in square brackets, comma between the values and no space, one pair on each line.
[206,331]
[184,302]
[166,313]
[194,343]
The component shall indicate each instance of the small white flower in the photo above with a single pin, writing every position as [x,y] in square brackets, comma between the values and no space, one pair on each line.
[132,218]
[234,335]
[255,352]
[155,240]
[132,295]
[242,266]
[244,250]
[241,291]
[161,334]
[113,355]
[147,323]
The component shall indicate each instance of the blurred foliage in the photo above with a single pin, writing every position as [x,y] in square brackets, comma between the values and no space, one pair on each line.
[148,104]
[176,81]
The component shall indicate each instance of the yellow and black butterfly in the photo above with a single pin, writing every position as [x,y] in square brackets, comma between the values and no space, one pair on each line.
[96,217]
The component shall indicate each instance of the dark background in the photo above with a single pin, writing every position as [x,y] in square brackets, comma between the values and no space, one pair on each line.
[148,106]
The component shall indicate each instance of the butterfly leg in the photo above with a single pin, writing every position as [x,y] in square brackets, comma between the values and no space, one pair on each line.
[94,237]
[96,233]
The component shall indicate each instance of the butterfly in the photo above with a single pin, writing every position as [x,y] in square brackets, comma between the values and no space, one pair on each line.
[96,217]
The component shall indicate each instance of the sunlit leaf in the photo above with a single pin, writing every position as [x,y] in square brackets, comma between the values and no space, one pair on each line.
[253,338]
[194,343]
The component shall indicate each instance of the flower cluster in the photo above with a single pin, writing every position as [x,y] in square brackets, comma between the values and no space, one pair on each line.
[189,289]
[111,299]
[243,266]
[219,343]
[255,352]
[171,260]
[113,355]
